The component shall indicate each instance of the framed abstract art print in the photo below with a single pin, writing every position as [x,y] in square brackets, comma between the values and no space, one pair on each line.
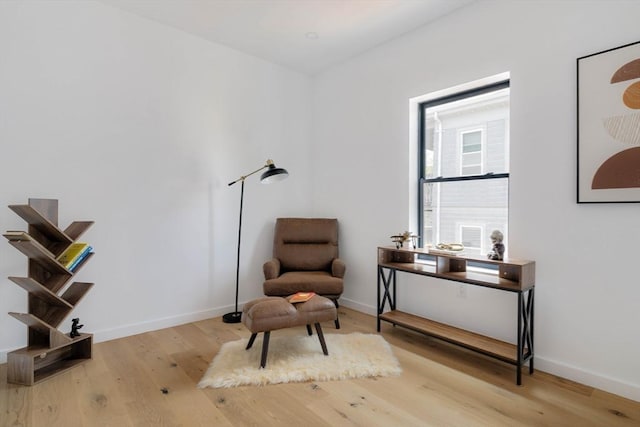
[609,126]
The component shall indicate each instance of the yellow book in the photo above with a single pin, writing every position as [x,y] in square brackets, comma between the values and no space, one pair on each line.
[72,253]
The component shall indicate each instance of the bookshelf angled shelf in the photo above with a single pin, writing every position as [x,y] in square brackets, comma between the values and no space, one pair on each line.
[77,229]
[42,228]
[75,292]
[36,289]
[49,351]
[39,254]
[41,326]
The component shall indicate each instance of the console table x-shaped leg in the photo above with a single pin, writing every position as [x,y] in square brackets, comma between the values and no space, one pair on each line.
[524,348]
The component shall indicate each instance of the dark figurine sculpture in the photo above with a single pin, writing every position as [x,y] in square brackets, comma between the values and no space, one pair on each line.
[75,327]
[497,252]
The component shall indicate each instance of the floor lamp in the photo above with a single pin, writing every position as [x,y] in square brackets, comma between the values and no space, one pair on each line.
[272,174]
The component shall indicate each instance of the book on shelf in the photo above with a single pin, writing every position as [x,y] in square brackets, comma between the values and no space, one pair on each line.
[72,253]
[301,297]
[81,258]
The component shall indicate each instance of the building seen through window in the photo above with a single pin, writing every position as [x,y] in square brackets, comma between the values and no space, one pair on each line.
[464,168]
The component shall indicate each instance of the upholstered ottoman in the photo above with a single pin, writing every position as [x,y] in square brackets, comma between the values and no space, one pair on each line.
[268,314]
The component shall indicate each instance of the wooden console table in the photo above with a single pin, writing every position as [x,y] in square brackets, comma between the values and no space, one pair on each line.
[509,275]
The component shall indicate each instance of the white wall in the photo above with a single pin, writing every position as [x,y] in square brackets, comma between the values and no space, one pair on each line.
[587,289]
[140,127]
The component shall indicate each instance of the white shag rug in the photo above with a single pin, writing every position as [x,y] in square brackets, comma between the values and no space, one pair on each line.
[299,359]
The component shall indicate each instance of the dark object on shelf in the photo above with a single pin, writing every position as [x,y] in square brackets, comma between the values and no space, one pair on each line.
[75,327]
[272,174]
[497,252]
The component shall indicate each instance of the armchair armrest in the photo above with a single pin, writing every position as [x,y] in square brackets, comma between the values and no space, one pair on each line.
[271,269]
[338,268]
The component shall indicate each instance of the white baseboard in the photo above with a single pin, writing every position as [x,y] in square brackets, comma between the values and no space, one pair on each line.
[592,379]
[354,305]
[167,322]
[154,325]
[146,326]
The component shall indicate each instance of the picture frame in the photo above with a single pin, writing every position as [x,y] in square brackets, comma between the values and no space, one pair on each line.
[608,122]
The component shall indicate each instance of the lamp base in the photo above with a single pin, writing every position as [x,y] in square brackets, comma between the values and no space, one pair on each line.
[232,317]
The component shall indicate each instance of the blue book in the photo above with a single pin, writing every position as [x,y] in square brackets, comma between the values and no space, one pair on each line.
[80,258]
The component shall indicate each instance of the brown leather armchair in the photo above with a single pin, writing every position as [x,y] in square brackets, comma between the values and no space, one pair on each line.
[305,259]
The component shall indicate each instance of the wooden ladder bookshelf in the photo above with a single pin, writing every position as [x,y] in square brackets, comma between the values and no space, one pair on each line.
[49,351]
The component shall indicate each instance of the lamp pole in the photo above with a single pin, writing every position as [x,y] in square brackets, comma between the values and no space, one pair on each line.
[271,175]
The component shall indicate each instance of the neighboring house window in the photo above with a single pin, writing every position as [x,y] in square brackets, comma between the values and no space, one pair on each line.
[471,237]
[464,167]
[471,152]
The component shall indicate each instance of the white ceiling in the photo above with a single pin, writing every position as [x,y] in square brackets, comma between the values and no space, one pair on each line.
[306,35]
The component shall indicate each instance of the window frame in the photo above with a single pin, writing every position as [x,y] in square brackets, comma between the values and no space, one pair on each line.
[422,180]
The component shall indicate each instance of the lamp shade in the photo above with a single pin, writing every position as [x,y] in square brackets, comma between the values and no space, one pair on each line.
[273,174]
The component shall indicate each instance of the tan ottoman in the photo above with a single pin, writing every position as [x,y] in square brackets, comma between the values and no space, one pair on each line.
[268,314]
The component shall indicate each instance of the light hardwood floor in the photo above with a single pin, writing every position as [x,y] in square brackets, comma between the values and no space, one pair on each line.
[150,380]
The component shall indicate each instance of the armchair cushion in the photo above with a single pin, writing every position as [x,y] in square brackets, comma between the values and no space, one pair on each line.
[308,244]
[320,282]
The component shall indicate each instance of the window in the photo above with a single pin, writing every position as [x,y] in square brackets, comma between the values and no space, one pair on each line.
[471,153]
[464,167]
[471,237]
